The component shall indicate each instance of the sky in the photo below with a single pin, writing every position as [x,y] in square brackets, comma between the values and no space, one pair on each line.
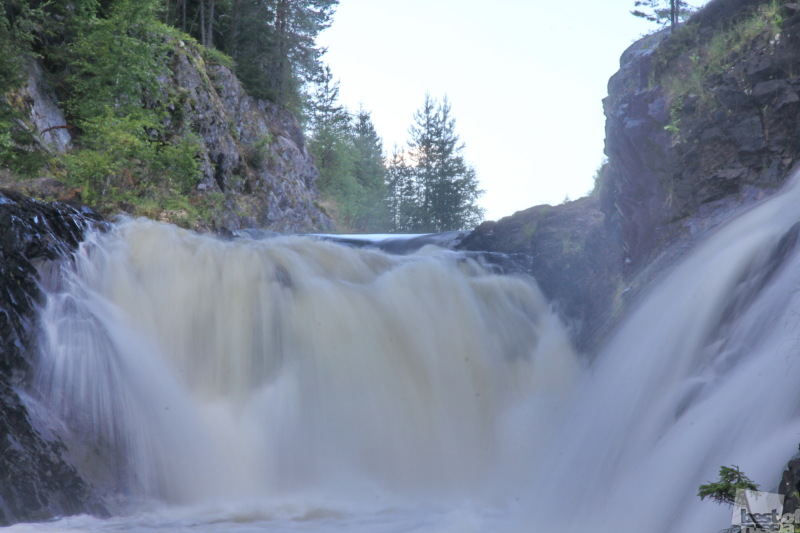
[525,80]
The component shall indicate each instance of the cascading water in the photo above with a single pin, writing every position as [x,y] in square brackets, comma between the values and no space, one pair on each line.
[704,373]
[292,371]
[298,385]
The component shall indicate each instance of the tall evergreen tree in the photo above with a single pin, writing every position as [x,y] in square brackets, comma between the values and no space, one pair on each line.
[272,41]
[330,144]
[663,12]
[403,194]
[330,129]
[433,188]
[349,156]
[370,173]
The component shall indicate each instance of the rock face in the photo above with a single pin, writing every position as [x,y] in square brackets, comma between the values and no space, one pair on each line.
[790,486]
[673,156]
[256,169]
[568,250]
[678,165]
[38,482]
[253,152]
[44,114]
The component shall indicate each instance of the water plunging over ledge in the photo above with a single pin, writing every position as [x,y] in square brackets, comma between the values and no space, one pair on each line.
[292,384]
[292,372]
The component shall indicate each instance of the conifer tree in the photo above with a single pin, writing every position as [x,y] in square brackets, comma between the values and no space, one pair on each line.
[433,187]
[272,41]
[370,173]
[330,125]
[663,12]
[403,194]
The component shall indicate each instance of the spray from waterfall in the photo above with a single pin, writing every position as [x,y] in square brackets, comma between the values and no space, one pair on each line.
[190,369]
[703,373]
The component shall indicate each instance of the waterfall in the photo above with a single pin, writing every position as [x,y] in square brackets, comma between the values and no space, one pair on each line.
[705,372]
[187,369]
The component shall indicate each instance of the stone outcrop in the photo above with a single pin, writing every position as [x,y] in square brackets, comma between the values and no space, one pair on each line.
[38,482]
[679,163]
[789,486]
[44,114]
[257,171]
[568,250]
[675,156]
[253,152]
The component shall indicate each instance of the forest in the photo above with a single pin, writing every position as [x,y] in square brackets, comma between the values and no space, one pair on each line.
[108,59]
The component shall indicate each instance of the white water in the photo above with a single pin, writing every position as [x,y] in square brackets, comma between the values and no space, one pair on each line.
[295,385]
[294,381]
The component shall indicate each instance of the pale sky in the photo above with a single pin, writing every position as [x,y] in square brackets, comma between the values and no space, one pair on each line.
[525,79]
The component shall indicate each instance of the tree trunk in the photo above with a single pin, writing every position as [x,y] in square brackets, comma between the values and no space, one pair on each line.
[210,24]
[203,22]
[673,15]
[233,37]
[281,30]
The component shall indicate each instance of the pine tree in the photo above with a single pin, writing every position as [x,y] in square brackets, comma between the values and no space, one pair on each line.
[731,480]
[433,188]
[662,12]
[403,194]
[272,41]
[370,173]
[330,125]
[349,156]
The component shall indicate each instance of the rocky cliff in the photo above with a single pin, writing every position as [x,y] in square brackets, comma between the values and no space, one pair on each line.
[256,173]
[253,153]
[256,170]
[698,124]
[38,481]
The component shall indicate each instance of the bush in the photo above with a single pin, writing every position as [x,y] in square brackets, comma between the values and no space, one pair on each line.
[731,480]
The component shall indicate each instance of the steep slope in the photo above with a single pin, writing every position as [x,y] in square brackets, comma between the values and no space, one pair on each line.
[38,479]
[255,167]
[253,152]
[698,124]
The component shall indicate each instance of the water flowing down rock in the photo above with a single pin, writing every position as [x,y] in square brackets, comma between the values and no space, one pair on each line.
[38,480]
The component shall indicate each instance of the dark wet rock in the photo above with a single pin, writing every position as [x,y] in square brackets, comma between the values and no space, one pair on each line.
[790,486]
[569,251]
[38,481]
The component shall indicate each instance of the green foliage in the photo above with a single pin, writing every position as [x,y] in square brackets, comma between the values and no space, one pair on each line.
[431,187]
[349,156]
[22,26]
[118,60]
[689,59]
[663,12]
[271,41]
[117,162]
[109,60]
[370,173]
[18,23]
[126,157]
[723,491]
[256,153]
[216,57]
[675,111]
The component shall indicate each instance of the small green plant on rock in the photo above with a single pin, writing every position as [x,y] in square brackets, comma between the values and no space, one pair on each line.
[675,111]
[686,62]
[723,491]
